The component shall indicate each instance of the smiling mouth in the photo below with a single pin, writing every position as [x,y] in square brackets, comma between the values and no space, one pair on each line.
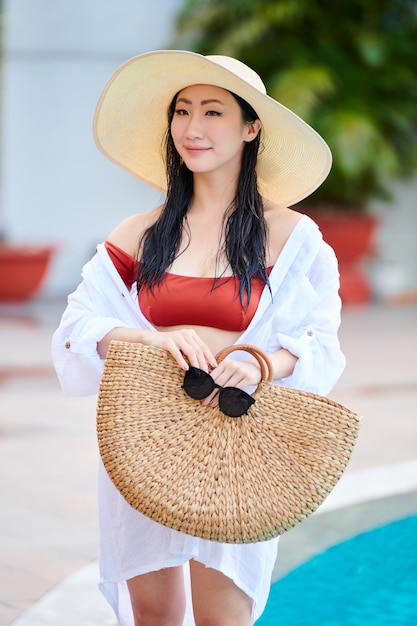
[196,149]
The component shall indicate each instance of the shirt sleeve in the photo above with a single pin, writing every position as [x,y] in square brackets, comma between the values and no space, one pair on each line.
[314,339]
[74,344]
[320,360]
[100,303]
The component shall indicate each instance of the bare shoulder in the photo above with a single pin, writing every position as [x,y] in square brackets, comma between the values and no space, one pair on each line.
[281,221]
[129,232]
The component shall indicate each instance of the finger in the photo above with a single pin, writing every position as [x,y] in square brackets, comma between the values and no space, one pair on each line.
[239,374]
[203,354]
[212,399]
[179,357]
[197,351]
[180,349]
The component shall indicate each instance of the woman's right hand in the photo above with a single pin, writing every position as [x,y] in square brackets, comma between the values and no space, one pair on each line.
[184,344]
[186,347]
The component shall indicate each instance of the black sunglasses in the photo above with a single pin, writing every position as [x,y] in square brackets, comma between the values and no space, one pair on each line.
[233,402]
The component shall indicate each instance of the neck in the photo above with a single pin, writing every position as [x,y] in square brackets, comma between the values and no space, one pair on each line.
[212,195]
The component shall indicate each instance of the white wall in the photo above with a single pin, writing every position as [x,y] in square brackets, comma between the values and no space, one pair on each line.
[393,271]
[56,186]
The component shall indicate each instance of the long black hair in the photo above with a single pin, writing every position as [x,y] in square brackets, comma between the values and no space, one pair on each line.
[245,232]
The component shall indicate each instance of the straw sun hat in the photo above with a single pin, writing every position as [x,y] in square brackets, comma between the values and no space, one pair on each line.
[130,122]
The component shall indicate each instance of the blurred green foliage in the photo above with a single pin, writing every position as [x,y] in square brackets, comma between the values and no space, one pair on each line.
[348,67]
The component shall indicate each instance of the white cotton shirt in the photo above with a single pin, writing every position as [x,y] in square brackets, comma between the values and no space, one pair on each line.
[301,313]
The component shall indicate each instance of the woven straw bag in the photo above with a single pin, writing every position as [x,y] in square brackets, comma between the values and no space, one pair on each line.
[193,469]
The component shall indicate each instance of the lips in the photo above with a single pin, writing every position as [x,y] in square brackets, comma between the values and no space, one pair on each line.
[196,149]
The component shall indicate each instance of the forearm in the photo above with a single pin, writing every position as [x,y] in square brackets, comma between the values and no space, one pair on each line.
[245,373]
[133,335]
[185,345]
[283,363]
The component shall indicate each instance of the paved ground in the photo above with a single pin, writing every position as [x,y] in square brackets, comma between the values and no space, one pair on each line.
[48,527]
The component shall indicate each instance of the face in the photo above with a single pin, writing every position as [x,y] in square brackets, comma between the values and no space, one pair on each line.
[208,130]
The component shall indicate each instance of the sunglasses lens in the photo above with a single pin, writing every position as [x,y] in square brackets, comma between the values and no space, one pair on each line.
[234,402]
[197,383]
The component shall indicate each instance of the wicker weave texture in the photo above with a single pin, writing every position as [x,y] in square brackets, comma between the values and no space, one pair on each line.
[193,469]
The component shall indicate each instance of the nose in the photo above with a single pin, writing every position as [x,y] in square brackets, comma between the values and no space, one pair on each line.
[194,128]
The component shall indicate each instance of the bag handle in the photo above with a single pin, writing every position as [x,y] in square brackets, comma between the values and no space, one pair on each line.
[267,371]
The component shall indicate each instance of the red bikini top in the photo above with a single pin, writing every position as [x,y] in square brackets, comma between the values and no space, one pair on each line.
[182,300]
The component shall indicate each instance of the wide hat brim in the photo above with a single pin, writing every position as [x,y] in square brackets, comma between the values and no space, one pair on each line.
[130,122]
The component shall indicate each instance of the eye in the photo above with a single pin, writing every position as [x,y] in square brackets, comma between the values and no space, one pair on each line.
[213,113]
[181,112]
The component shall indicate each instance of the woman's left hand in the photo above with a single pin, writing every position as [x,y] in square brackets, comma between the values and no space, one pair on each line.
[233,373]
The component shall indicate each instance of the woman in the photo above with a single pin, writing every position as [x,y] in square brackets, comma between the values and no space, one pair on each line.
[222,261]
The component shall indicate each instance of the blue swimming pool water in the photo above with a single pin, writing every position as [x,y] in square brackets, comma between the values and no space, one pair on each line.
[370,580]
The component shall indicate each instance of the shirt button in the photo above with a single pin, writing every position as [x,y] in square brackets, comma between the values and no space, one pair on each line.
[310,333]
[68,345]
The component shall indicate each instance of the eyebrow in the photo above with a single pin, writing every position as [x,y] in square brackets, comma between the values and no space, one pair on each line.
[208,101]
